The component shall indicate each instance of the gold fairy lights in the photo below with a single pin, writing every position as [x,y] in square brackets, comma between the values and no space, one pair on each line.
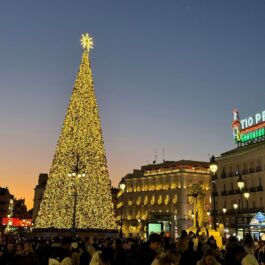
[81,134]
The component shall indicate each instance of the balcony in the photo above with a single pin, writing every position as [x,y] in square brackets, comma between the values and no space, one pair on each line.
[215,193]
[258,168]
[252,189]
[231,192]
[259,188]
[223,193]
[237,191]
[230,174]
[251,170]
[244,172]
[223,175]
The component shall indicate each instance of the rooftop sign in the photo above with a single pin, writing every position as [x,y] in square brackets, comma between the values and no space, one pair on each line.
[248,130]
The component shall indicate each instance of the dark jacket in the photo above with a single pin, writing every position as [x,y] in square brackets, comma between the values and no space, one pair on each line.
[145,255]
[29,259]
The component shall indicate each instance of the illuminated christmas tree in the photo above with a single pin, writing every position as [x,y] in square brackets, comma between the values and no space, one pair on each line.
[82,199]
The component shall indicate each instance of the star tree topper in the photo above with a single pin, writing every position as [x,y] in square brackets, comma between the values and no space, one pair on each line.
[86,42]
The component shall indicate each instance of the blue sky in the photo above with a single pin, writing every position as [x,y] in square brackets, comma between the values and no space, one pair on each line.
[167,74]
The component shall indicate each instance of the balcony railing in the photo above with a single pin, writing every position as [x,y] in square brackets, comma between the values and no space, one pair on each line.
[244,172]
[223,175]
[223,193]
[230,174]
[252,170]
[258,168]
[252,189]
[259,188]
[231,192]
[215,193]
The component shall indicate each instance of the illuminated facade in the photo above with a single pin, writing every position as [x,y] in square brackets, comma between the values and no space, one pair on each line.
[6,203]
[160,190]
[250,162]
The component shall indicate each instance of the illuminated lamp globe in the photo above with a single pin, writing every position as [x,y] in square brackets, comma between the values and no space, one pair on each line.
[213,165]
[122,185]
[208,212]
[246,195]
[224,210]
[240,182]
[235,205]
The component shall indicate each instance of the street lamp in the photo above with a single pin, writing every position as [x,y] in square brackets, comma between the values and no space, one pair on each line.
[213,168]
[224,211]
[240,181]
[77,175]
[122,187]
[246,196]
[235,205]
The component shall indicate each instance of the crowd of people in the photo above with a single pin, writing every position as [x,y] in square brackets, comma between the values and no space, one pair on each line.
[188,249]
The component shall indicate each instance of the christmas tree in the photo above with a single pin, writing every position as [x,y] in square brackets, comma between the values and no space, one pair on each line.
[78,191]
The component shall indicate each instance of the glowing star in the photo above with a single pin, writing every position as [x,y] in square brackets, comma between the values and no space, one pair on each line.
[86,41]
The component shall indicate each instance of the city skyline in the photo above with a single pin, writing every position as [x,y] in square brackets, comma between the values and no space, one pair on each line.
[166,75]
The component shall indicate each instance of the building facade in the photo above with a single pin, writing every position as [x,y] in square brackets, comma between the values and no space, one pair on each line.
[248,162]
[6,203]
[158,192]
[38,193]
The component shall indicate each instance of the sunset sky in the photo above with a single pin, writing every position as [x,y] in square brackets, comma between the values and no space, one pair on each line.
[167,74]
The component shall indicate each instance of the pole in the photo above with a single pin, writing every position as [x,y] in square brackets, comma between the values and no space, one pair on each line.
[242,211]
[195,213]
[213,194]
[121,218]
[248,219]
[236,220]
[74,212]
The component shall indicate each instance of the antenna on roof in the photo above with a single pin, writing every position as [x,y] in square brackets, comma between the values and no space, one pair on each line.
[155,156]
[163,155]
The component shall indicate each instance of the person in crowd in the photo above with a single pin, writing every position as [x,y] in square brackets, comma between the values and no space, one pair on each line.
[65,256]
[28,257]
[89,244]
[171,257]
[19,253]
[8,256]
[75,254]
[147,251]
[249,244]
[189,255]
[101,257]
[243,258]
[208,258]
[85,257]
[119,255]
[130,248]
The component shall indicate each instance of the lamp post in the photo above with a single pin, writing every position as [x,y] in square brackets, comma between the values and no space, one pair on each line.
[235,205]
[246,196]
[122,186]
[224,211]
[77,175]
[241,185]
[213,168]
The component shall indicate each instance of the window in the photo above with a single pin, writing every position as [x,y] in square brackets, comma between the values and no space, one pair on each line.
[224,187]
